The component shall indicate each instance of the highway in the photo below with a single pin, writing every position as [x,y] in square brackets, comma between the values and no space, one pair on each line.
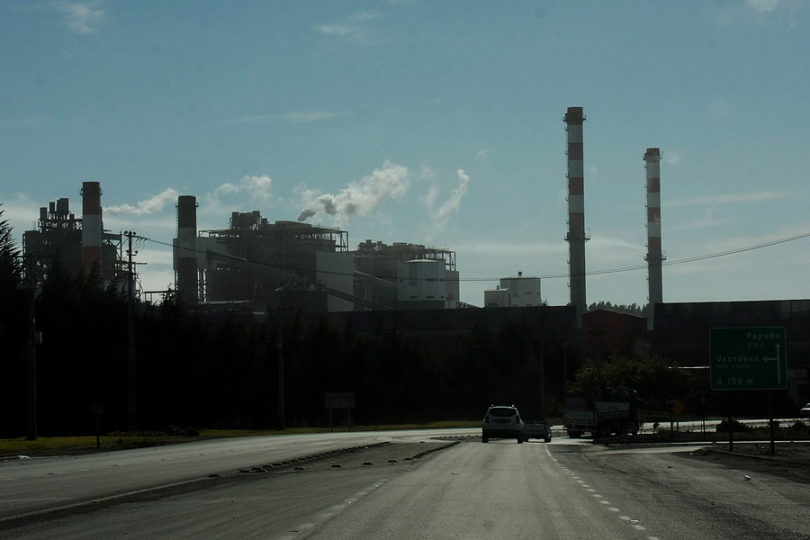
[409,485]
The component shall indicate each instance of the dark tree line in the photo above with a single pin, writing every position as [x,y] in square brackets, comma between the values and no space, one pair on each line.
[630,309]
[198,370]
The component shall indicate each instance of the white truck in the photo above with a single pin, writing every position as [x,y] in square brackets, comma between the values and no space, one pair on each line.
[618,414]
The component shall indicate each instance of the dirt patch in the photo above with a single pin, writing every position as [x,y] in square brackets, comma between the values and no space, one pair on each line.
[385,453]
[791,460]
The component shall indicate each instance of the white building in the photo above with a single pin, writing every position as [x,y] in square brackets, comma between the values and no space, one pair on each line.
[496,298]
[426,284]
[517,291]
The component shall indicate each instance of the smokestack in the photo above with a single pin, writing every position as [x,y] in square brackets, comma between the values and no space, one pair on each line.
[576,236]
[654,257]
[186,248]
[91,228]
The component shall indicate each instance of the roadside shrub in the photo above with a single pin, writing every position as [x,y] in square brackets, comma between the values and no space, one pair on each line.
[734,426]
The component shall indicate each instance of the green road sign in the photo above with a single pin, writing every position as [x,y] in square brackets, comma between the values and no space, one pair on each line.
[748,358]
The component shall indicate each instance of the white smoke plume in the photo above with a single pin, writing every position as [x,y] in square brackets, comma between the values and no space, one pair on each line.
[360,197]
[453,203]
[147,206]
[257,187]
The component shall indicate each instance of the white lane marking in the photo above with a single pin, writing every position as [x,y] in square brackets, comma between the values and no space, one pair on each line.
[633,522]
[321,517]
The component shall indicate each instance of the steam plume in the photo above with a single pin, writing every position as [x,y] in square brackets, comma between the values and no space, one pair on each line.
[360,197]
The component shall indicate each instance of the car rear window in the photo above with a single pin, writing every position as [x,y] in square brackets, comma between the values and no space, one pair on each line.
[502,411]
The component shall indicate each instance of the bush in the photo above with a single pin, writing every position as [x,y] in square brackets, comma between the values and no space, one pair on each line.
[734,426]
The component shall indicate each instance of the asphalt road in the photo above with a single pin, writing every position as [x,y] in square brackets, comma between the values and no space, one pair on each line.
[410,489]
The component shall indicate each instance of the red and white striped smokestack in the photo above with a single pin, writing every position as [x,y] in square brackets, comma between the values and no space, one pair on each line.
[576,236]
[91,228]
[186,248]
[655,256]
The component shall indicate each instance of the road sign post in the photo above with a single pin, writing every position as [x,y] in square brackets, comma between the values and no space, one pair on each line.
[748,358]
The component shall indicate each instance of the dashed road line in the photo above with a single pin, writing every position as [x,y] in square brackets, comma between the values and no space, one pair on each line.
[330,512]
[632,522]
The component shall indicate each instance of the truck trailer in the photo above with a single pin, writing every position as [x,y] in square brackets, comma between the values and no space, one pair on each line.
[616,413]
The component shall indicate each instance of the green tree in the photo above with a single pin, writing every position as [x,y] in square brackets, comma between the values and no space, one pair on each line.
[14,330]
[10,268]
[654,378]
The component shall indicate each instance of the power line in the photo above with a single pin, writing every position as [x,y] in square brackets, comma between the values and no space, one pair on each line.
[617,270]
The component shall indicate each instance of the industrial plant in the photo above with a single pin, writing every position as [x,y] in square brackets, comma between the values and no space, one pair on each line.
[276,271]
[78,245]
[295,267]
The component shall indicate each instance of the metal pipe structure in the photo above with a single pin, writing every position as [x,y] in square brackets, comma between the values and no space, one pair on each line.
[655,256]
[92,228]
[186,248]
[576,236]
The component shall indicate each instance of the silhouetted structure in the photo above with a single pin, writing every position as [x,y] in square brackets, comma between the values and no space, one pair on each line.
[80,246]
[655,256]
[576,236]
[281,265]
[376,266]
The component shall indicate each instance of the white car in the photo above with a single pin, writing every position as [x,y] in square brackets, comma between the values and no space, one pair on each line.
[502,422]
[805,411]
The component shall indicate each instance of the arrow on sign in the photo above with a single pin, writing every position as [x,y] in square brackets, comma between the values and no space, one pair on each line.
[778,363]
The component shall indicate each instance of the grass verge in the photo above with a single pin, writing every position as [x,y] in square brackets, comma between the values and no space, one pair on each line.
[80,444]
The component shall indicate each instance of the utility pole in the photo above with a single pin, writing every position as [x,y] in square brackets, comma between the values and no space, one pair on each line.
[34,339]
[280,347]
[131,334]
[32,371]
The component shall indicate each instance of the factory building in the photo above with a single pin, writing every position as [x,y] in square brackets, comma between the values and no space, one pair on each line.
[80,246]
[496,298]
[281,265]
[515,291]
[423,284]
[378,271]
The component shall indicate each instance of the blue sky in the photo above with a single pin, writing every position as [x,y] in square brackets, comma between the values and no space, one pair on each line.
[432,122]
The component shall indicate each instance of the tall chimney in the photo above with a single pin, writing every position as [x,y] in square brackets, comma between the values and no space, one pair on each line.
[576,236]
[654,257]
[186,248]
[91,228]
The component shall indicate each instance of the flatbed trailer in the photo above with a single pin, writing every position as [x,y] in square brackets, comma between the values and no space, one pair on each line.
[618,416]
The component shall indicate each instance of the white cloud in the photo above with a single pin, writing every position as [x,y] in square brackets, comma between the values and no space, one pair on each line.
[762,6]
[310,116]
[706,222]
[360,197]
[147,206]
[297,117]
[258,188]
[729,198]
[336,30]
[81,17]
[482,153]
[351,29]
